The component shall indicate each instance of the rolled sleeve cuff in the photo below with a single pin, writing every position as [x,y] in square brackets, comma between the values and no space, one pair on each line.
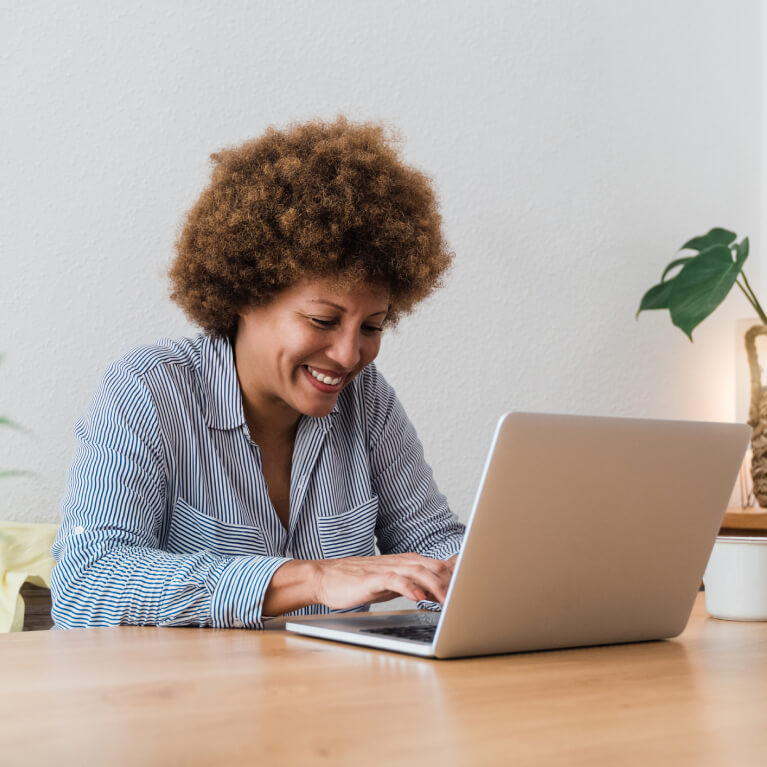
[238,596]
[425,604]
[444,547]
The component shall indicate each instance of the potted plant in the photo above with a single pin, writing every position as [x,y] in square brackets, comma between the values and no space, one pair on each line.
[9,424]
[691,287]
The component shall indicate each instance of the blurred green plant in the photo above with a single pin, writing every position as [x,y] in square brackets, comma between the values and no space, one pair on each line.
[9,424]
[703,281]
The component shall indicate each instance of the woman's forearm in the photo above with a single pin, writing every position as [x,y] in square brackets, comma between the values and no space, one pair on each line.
[292,586]
[144,586]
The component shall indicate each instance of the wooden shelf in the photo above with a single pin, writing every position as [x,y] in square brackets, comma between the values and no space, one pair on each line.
[738,521]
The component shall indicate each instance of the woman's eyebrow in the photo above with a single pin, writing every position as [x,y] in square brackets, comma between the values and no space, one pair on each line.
[342,308]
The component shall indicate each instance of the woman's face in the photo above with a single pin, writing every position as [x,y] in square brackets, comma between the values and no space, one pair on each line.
[296,353]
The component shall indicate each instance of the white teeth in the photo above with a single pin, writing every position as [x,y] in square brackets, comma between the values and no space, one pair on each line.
[325,379]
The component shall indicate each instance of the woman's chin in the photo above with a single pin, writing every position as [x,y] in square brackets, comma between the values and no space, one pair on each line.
[319,409]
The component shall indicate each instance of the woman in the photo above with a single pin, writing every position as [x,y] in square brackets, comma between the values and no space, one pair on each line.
[249,472]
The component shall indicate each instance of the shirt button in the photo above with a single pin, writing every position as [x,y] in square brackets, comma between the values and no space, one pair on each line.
[79,529]
[237,623]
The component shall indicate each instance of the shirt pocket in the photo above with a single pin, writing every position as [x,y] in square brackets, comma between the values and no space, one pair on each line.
[192,530]
[351,533]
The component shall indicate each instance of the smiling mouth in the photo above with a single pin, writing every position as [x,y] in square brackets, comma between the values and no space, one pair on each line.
[323,381]
[323,378]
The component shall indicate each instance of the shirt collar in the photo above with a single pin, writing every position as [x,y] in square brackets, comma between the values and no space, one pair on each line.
[221,387]
[223,399]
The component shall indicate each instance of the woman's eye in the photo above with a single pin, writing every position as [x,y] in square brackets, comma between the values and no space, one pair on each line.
[322,323]
[327,324]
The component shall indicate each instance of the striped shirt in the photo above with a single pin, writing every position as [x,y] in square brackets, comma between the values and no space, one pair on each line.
[166,517]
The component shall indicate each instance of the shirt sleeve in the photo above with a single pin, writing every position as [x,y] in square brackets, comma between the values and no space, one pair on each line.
[413,515]
[109,568]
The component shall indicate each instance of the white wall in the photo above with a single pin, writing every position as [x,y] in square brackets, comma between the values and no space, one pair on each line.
[576,144]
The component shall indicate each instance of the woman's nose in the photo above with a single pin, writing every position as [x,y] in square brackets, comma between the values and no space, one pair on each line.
[345,351]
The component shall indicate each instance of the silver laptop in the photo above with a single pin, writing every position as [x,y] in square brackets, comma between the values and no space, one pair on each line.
[584,531]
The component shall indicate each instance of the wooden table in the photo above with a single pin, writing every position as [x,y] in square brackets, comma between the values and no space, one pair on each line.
[144,696]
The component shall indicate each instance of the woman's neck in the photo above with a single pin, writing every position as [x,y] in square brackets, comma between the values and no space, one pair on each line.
[267,427]
[269,417]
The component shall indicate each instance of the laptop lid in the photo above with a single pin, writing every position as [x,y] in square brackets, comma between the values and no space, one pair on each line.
[588,530]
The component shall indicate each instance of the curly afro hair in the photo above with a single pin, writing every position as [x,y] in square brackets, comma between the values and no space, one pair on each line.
[318,199]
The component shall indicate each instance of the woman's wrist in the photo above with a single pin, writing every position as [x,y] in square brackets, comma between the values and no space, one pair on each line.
[293,586]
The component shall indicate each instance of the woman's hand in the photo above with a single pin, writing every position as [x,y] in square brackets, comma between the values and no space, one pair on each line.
[351,581]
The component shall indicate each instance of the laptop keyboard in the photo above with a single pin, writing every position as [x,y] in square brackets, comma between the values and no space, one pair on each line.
[415,633]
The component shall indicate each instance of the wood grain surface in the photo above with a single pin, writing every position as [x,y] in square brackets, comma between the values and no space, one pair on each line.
[146,696]
[739,521]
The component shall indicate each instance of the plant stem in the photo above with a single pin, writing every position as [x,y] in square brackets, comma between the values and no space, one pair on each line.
[757,305]
[752,299]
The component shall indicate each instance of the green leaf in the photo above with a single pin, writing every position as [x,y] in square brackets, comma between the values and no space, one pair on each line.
[657,297]
[715,236]
[702,285]
[12,473]
[741,251]
[677,262]
[9,423]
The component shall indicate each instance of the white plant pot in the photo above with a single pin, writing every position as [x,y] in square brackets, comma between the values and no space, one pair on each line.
[736,579]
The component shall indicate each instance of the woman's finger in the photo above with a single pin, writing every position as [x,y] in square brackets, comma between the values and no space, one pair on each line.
[431,582]
[405,586]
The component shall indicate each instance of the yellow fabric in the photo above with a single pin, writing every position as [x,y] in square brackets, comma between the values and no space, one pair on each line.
[25,556]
